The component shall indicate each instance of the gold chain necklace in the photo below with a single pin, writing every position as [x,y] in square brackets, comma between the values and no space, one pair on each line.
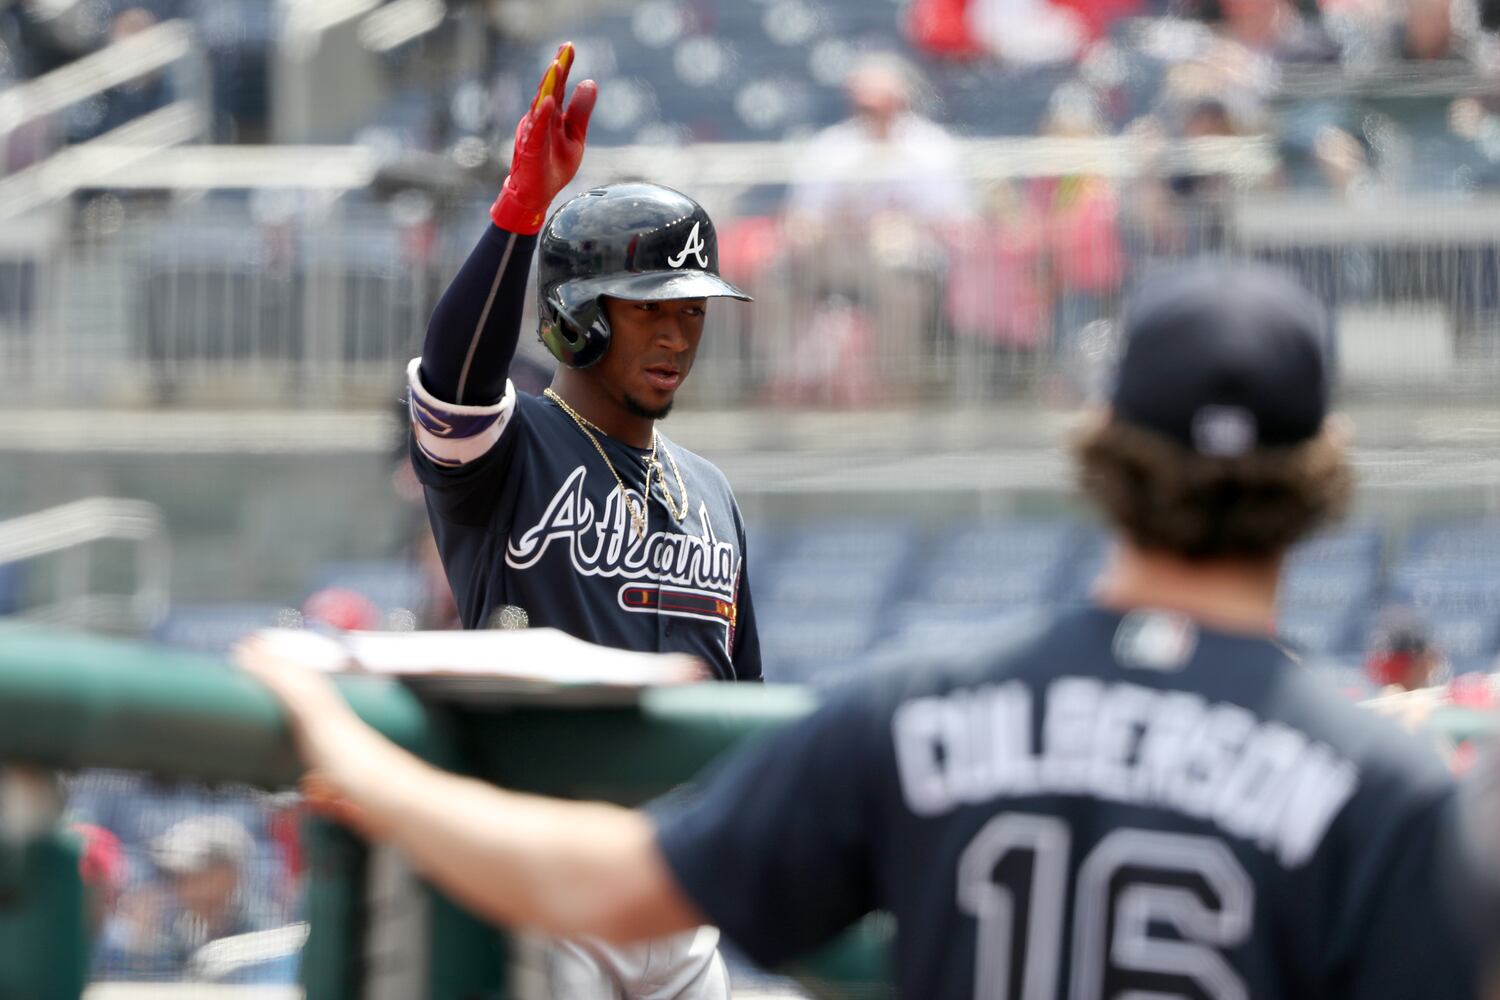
[637,514]
[661,477]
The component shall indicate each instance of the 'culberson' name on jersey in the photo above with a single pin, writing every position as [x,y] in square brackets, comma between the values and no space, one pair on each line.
[1262,781]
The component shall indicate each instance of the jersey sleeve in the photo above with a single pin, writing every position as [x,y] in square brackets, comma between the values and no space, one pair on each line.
[462,454]
[462,404]
[772,848]
[472,335]
[1476,864]
[1418,941]
[447,435]
[745,654]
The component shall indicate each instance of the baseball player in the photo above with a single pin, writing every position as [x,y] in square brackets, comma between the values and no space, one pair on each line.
[1145,797]
[571,510]
[1403,655]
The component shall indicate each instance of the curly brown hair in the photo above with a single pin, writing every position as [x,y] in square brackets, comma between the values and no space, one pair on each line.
[1163,497]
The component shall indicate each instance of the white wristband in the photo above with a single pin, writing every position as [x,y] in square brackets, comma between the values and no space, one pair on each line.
[451,435]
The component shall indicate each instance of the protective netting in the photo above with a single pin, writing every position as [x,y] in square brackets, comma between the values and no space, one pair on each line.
[189,884]
[197,892]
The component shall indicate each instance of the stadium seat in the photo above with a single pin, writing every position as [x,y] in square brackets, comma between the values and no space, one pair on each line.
[1328,585]
[762,546]
[407,115]
[214,628]
[1448,585]
[842,566]
[1029,540]
[1324,631]
[801,645]
[917,627]
[765,87]
[863,584]
[966,95]
[1333,569]
[1455,541]
[19,284]
[12,581]
[1469,640]
[1078,576]
[996,585]
[1000,564]
[1354,544]
[392,584]
[849,539]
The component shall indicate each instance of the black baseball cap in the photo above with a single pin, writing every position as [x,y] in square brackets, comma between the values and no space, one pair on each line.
[1402,630]
[1224,357]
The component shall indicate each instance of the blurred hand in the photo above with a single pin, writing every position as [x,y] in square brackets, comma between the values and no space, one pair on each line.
[307,695]
[1340,157]
[1411,712]
[1466,118]
[332,741]
[548,150]
[322,797]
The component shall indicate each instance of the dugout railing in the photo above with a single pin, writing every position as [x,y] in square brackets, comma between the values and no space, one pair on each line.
[70,702]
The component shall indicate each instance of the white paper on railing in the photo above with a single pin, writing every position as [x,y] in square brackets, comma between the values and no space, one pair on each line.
[539,657]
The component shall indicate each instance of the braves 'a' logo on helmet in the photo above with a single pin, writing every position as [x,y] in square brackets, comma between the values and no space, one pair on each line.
[694,246]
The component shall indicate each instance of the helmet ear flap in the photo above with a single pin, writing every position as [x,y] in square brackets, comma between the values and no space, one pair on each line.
[573,326]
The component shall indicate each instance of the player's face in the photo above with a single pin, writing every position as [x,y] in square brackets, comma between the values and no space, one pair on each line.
[207,893]
[651,350]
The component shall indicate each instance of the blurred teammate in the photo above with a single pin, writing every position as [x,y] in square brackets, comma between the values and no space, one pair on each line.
[203,859]
[1142,798]
[570,510]
[200,897]
[1403,655]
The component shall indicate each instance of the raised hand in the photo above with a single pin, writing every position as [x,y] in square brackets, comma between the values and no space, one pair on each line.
[549,147]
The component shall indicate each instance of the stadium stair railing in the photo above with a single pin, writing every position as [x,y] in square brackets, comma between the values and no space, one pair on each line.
[70,532]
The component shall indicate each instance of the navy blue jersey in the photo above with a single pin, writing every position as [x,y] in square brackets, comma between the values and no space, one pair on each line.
[537,523]
[529,519]
[1107,806]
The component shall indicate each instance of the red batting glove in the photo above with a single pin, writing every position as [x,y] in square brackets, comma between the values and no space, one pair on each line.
[549,147]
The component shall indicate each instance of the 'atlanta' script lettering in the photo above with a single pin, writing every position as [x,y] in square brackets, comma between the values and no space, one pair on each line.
[607,545]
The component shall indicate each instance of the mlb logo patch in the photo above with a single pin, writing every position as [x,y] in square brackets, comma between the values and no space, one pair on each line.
[1155,640]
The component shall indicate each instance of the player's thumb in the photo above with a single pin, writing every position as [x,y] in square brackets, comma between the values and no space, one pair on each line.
[576,121]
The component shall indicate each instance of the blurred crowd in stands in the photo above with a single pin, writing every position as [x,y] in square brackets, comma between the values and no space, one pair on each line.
[888,240]
[37,36]
[705,70]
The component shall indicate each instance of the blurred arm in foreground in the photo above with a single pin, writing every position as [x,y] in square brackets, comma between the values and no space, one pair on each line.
[561,867]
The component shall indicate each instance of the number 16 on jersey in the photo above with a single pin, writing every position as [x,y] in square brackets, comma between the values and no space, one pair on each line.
[1131,881]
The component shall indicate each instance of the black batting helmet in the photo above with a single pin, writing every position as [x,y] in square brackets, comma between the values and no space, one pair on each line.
[642,242]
